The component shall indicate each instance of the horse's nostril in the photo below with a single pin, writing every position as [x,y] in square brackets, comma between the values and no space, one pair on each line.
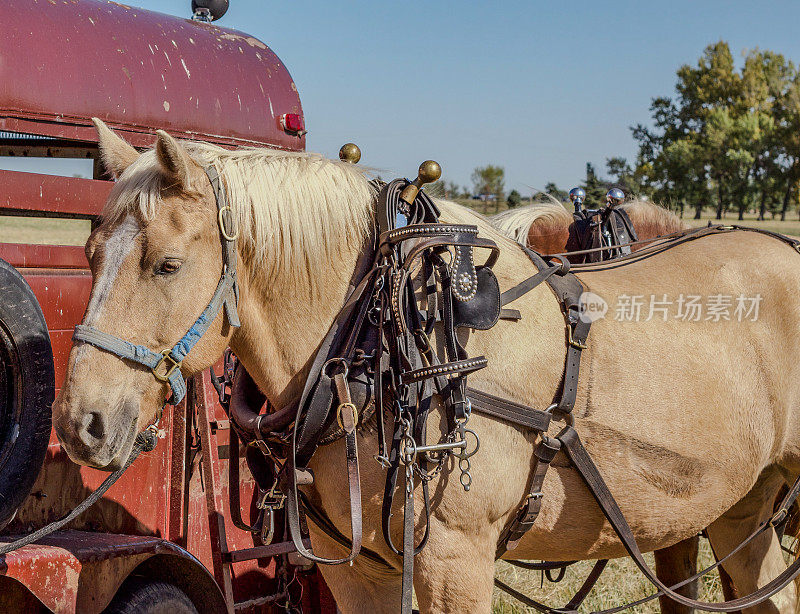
[92,428]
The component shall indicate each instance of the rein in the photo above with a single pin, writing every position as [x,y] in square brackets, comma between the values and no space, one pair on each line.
[145,442]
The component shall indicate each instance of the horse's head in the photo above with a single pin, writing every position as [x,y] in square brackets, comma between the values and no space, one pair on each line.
[153,275]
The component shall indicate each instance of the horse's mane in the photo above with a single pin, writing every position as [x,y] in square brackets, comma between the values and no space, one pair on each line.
[293,210]
[516,223]
[657,219]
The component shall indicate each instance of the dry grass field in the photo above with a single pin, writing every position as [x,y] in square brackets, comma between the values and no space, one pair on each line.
[42,230]
[620,583]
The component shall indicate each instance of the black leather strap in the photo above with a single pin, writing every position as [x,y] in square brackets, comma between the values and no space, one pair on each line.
[516,413]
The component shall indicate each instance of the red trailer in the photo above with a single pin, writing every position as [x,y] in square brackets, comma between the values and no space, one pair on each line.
[167,524]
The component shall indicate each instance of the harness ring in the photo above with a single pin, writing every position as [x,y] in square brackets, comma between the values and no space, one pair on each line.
[228,237]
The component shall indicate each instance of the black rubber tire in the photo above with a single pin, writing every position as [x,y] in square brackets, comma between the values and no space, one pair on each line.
[141,596]
[27,389]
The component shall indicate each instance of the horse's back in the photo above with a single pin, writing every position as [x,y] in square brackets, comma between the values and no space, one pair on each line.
[701,340]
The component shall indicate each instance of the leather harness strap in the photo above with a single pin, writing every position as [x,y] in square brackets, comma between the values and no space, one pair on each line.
[509,411]
[543,455]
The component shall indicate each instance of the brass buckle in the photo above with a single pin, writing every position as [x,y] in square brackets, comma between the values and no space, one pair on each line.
[778,517]
[352,408]
[228,237]
[572,342]
[166,356]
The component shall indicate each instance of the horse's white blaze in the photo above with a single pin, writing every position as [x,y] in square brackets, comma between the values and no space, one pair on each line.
[115,250]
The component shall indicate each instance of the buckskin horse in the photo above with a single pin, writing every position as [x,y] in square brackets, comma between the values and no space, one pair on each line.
[691,424]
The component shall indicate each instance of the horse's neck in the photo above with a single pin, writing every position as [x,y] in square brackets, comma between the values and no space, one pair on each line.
[283,325]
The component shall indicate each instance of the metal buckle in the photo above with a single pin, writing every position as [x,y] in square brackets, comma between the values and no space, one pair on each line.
[778,517]
[352,408]
[166,355]
[572,342]
[228,237]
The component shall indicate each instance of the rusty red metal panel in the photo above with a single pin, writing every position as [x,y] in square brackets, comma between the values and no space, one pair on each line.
[67,196]
[21,255]
[57,568]
[62,293]
[65,62]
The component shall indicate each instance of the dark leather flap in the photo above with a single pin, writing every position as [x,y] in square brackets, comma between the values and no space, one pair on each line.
[483,310]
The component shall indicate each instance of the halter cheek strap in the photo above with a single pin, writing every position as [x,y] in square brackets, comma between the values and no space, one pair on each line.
[166,365]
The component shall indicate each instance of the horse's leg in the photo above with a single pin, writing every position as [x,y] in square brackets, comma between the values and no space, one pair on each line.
[455,571]
[760,561]
[364,587]
[673,565]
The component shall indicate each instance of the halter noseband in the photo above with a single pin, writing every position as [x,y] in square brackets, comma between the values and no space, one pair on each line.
[166,365]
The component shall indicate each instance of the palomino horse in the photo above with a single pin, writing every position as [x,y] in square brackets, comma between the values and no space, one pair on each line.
[546,226]
[693,424]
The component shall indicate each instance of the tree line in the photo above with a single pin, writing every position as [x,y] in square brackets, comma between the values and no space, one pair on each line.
[727,140]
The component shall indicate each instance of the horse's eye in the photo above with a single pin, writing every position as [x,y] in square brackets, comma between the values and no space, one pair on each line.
[168,266]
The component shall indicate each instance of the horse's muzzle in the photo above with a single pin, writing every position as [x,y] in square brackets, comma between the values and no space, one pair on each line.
[97,437]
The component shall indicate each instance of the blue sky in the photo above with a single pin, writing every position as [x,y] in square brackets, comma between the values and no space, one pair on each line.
[537,87]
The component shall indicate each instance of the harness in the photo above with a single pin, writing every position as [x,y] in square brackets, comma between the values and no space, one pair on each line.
[601,234]
[377,359]
[416,276]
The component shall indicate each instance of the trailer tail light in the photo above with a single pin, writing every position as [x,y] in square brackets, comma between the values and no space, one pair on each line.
[292,123]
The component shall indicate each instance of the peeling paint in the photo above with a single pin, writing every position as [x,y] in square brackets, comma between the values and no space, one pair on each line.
[253,42]
[166,105]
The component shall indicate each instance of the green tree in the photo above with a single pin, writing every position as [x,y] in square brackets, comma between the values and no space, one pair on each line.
[553,190]
[489,182]
[451,190]
[595,187]
[724,140]
[513,199]
[623,175]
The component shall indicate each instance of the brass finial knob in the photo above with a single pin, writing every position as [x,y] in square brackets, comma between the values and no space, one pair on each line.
[429,171]
[350,153]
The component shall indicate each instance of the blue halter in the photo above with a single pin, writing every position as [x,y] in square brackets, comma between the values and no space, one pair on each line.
[166,365]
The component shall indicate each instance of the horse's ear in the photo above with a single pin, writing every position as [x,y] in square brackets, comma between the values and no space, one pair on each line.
[117,154]
[174,160]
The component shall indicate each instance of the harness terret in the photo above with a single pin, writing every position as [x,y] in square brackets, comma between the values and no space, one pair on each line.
[600,234]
